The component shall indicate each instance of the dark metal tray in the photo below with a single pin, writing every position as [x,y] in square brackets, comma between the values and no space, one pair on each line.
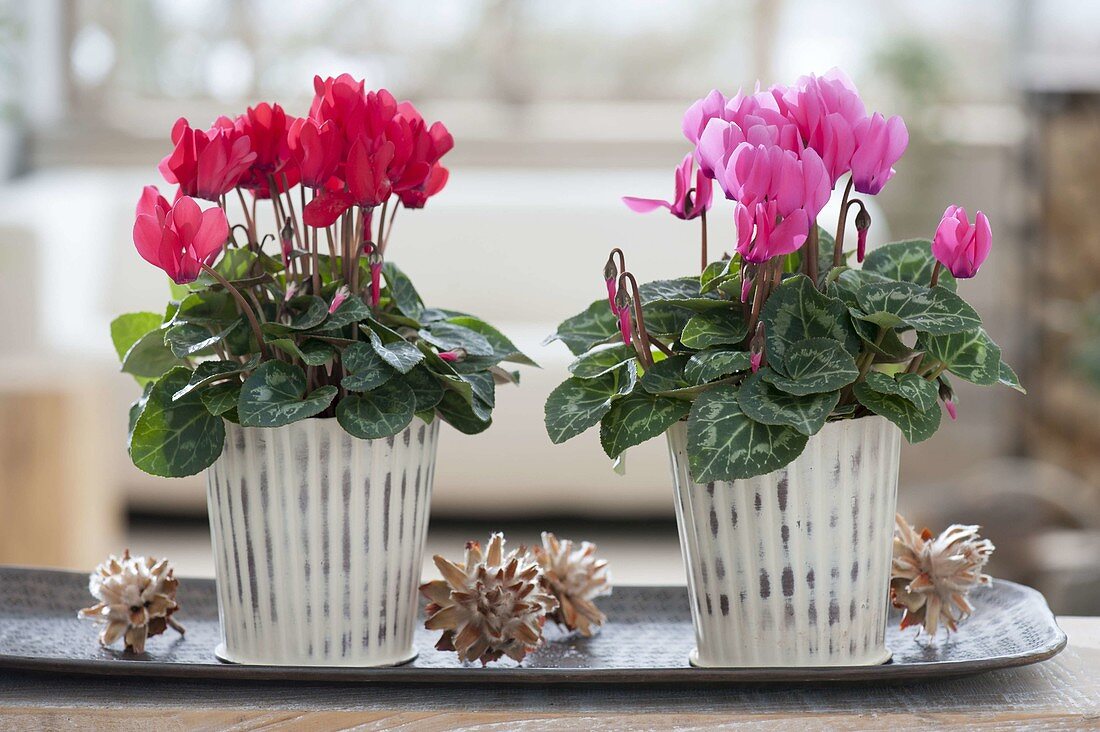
[647,640]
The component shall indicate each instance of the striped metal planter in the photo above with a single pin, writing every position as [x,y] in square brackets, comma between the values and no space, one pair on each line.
[317,539]
[793,568]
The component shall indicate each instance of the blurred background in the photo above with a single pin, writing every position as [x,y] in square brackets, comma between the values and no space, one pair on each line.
[558,108]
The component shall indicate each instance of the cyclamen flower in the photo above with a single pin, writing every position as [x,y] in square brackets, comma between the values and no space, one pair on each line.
[178,238]
[418,196]
[207,164]
[759,173]
[960,246]
[342,294]
[267,127]
[880,143]
[686,203]
[317,149]
[763,234]
[826,109]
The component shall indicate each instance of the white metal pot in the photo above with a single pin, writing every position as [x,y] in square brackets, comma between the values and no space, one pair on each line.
[317,540]
[793,568]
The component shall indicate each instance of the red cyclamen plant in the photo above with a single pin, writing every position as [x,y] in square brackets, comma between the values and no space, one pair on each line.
[322,323]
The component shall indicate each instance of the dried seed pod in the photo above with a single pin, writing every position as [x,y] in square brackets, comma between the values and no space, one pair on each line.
[137,597]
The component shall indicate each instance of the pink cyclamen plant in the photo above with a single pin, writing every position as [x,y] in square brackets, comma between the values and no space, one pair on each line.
[962,246]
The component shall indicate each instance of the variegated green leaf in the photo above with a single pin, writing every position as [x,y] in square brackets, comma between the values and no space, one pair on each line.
[908,261]
[813,366]
[724,327]
[916,424]
[726,444]
[933,310]
[666,375]
[274,395]
[797,311]
[970,355]
[175,437]
[577,404]
[636,418]
[1008,377]
[365,368]
[599,361]
[706,366]
[379,413]
[765,403]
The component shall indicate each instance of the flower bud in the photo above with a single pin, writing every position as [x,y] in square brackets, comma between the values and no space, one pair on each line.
[610,275]
[756,348]
[291,291]
[863,223]
[375,261]
[947,394]
[286,239]
[338,299]
[746,282]
[457,354]
[622,309]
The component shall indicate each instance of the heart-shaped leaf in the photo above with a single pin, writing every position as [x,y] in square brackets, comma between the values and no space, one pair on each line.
[187,339]
[726,444]
[724,327]
[916,424]
[597,324]
[274,395]
[970,355]
[601,360]
[447,336]
[306,312]
[126,330]
[379,413]
[813,366]
[707,366]
[222,397]
[908,261]
[366,369]
[765,403]
[149,357]
[666,375]
[503,349]
[797,311]
[577,404]
[425,386]
[462,414]
[921,392]
[401,291]
[638,417]
[933,310]
[396,351]
[174,438]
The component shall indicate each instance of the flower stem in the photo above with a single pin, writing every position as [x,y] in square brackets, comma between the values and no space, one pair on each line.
[246,309]
[639,316]
[838,248]
[810,259]
[704,262]
[935,275]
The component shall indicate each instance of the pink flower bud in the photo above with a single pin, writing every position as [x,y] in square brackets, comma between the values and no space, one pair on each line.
[863,223]
[610,275]
[960,246]
[375,279]
[291,291]
[338,299]
[755,359]
[746,283]
[458,354]
[622,309]
[952,409]
[756,348]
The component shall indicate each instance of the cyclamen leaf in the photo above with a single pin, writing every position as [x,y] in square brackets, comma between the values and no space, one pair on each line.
[366,369]
[402,291]
[916,424]
[577,404]
[707,366]
[909,261]
[503,349]
[638,417]
[149,358]
[597,324]
[307,312]
[461,414]
[726,444]
[209,372]
[127,329]
[221,398]
[399,353]
[813,366]
[187,339]
[666,375]
[765,403]
[715,328]
[174,438]
[970,355]
[448,336]
[426,389]
[274,395]
[599,362]
[797,311]
[919,391]
[383,412]
[351,310]
[933,310]
[1008,377]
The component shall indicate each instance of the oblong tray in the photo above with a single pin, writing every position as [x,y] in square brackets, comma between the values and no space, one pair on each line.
[647,640]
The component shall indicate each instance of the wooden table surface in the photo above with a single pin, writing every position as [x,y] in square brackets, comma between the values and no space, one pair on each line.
[1063,693]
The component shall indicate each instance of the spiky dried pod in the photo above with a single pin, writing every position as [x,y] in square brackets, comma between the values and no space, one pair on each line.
[576,577]
[932,576]
[493,605]
[137,597]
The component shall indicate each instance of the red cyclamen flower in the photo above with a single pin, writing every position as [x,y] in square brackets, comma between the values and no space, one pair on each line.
[686,203]
[316,148]
[959,245]
[207,164]
[178,238]
[267,127]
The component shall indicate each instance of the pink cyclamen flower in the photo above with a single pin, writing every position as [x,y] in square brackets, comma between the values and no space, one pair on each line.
[759,173]
[458,354]
[207,164]
[755,359]
[959,245]
[826,109]
[686,203]
[338,299]
[880,143]
[762,233]
[178,238]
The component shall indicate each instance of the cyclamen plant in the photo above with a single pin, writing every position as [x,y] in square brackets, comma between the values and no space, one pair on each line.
[765,346]
[324,327]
